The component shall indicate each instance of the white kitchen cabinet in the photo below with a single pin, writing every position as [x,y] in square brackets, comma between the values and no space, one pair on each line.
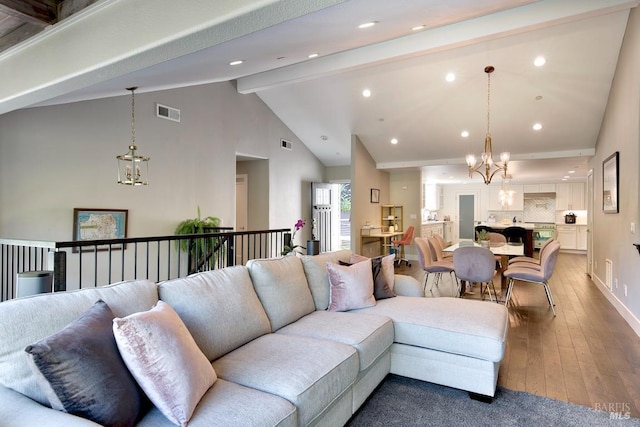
[448,232]
[566,235]
[570,196]
[539,188]
[429,230]
[433,196]
[581,237]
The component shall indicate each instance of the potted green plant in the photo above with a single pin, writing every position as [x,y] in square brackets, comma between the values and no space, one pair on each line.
[482,236]
[199,249]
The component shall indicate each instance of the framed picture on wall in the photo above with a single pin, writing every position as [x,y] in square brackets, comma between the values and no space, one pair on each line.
[610,184]
[99,224]
[375,195]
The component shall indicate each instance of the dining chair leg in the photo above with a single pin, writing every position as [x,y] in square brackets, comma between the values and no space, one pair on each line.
[509,288]
[549,297]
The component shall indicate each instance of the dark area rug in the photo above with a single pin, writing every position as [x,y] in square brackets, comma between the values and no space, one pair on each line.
[401,401]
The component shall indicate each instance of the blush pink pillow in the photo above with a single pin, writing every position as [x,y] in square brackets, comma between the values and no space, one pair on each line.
[351,287]
[165,360]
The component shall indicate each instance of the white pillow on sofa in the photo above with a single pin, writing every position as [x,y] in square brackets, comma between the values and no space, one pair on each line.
[351,287]
[165,360]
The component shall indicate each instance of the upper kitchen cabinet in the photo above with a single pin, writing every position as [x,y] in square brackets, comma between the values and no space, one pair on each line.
[539,188]
[495,203]
[433,196]
[570,196]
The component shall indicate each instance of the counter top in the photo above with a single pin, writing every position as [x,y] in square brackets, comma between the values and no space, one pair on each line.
[434,222]
[501,226]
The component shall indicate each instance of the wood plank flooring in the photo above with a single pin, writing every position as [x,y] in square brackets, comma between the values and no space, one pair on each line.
[587,354]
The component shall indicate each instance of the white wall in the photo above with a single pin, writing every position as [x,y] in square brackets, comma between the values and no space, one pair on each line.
[620,131]
[53,159]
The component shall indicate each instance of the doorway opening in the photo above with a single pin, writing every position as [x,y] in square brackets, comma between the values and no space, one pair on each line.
[345,215]
[466,216]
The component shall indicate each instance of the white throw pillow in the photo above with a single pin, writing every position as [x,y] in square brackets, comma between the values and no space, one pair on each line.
[165,360]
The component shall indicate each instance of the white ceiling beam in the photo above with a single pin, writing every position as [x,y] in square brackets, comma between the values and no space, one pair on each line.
[84,50]
[512,21]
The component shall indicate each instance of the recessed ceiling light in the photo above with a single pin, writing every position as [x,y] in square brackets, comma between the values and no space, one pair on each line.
[539,61]
[313,55]
[419,27]
[238,62]
[368,24]
[324,137]
[538,98]
[572,171]
[366,93]
[564,179]
[394,141]
[450,77]
[537,126]
[464,134]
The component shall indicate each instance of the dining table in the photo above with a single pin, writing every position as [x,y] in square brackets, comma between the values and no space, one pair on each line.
[504,250]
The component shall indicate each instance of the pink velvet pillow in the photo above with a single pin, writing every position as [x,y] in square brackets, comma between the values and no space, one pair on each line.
[165,360]
[351,287]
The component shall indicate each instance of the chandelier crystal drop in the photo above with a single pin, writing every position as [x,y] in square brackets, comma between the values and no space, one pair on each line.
[488,167]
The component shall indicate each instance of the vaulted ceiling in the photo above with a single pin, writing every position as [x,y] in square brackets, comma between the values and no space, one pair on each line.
[159,44]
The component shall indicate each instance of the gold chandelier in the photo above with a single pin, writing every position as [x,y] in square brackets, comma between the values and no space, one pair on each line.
[487,155]
[133,169]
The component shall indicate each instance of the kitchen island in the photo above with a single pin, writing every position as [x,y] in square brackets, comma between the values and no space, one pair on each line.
[498,227]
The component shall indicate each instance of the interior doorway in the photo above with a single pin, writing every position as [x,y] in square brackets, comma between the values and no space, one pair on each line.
[242,198]
[590,203]
[345,215]
[466,216]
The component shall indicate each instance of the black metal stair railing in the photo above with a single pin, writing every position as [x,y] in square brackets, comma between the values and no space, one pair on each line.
[82,264]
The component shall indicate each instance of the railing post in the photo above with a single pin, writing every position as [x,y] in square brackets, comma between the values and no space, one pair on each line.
[231,250]
[59,271]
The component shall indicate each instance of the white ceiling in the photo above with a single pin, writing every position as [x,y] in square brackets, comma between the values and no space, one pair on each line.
[320,99]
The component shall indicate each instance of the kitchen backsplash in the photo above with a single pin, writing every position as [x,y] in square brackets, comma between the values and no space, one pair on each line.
[540,210]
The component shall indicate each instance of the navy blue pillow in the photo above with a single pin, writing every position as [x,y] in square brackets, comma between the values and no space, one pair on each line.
[81,372]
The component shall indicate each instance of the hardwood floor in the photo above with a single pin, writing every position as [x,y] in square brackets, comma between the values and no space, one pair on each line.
[587,354]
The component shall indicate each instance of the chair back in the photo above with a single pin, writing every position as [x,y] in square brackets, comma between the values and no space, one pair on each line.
[515,234]
[440,240]
[496,237]
[548,260]
[407,237]
[474,264]
[424,253]
[546,246]
[436,248]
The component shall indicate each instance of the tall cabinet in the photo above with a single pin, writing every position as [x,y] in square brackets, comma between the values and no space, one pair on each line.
[391,215]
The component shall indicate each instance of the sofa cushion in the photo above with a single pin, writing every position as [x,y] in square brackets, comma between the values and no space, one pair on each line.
[165,360]
[315,269]
[351,286]
[308,372]
[370,335]
[224,298]
[282,288]
[80,370]
[24,321]
[470,328]
[230,404]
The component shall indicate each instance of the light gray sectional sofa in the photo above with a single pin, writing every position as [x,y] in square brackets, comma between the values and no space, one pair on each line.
[280,357]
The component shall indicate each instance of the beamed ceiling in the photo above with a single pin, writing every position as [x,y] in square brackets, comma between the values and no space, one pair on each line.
[21,19]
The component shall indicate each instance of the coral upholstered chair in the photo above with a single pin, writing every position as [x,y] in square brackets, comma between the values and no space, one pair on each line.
[399,245]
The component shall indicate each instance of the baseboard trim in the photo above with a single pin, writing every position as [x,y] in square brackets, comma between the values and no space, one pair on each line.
[627,315]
